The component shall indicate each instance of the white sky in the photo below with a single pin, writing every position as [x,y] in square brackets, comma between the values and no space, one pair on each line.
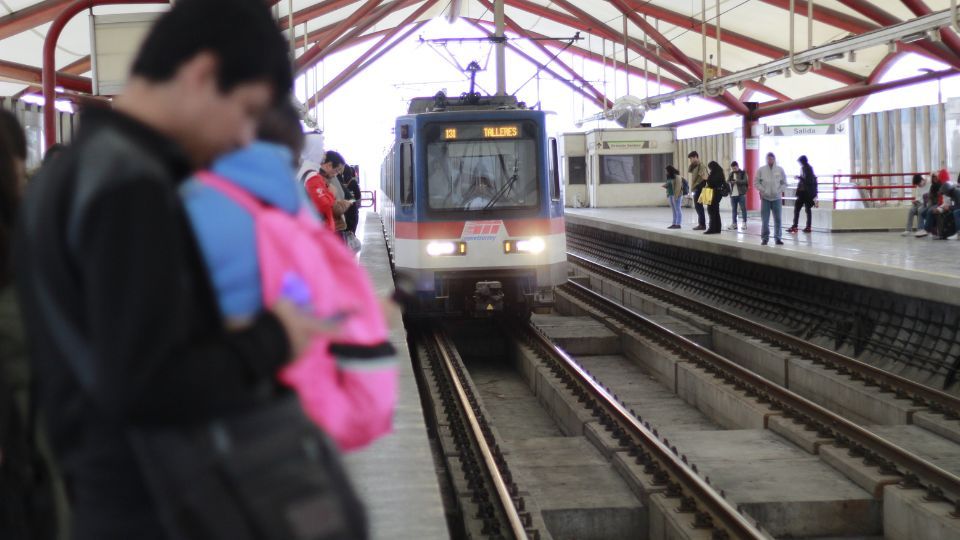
[358,118]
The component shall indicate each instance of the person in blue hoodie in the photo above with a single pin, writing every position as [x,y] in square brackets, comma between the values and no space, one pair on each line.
[225,232]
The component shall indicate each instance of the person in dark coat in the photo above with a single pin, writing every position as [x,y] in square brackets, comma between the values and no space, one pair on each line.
[806,194]
[124,326]
[715,181]
[351,189]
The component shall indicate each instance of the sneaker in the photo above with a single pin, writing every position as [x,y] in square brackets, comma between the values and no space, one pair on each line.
[807,230]
[700,228]
[954,236]
[764,242]
[921,234]
[779,242]
[906,233]
[792,229]
[674,227]
[732,227]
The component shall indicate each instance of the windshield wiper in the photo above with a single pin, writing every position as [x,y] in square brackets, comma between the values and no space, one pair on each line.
[506,187]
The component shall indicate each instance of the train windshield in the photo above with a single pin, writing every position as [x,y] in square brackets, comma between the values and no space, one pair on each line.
[476,167]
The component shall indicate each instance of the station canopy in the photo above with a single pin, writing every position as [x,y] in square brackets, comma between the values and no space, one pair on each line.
[841,48]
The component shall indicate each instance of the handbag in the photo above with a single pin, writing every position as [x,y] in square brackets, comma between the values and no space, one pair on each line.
[266,474]
[706,195]
[350,238]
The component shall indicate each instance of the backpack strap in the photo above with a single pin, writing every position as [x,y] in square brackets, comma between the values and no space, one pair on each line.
[248,202]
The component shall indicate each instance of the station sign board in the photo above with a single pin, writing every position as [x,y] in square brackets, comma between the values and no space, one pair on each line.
[801,130]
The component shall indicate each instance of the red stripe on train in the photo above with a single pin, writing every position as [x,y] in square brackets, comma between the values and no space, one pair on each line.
[439,230]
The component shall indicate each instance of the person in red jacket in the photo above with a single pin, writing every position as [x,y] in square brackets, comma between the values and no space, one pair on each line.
[318,189]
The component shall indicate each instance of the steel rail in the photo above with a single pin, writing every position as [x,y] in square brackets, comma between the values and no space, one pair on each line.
[828,424]
[920,394]
[503,494]
[724,515]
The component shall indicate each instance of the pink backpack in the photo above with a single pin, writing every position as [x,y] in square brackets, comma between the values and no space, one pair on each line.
[348,387]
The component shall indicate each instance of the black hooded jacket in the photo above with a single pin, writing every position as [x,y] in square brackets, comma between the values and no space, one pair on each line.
[115,294]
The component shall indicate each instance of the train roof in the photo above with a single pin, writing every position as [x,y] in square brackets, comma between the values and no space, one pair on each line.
[466,102]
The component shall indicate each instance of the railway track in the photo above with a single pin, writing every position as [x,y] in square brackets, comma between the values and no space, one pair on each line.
[889,458]
[921,395]
[500,509]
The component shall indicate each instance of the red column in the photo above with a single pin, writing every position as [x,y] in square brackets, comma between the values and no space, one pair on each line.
[751,156]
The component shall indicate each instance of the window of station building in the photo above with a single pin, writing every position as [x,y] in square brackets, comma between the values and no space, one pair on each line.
[633,169]
[577,170]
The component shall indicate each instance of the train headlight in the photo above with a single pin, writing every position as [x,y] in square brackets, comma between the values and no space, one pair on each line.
[446,248]
[534,246]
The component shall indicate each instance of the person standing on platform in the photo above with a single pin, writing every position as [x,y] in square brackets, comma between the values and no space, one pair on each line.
[698,180]
[716,182]
[674,187]
[927,218]
[806,194]
[770,182]
[125,331]
[739,184]
[916,206]
[351,188]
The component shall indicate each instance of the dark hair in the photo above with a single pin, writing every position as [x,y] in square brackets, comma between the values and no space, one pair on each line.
[240,33]
[802,159]
[734,164]
[348,174]
[693,154]
[281,125]
[13,145]
[672,172]
[53,151]
[334,158]
[770,154]
[917,179]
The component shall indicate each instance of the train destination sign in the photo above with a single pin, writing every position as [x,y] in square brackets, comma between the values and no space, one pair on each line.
[479,131]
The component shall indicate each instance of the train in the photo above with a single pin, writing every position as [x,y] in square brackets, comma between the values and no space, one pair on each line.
[472,207]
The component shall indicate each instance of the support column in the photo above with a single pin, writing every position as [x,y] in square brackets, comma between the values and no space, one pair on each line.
[751,155]
[501,52]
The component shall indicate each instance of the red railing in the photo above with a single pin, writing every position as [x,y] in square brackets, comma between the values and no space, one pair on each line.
[876,190]
[368,199]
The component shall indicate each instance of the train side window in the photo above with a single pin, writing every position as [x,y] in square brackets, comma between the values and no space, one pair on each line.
[554,171]
[406,174]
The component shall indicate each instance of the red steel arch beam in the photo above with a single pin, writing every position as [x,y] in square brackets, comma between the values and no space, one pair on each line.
[730,101]
[733,38]
[359,65]
[585,53]
[304,61]
[854,25]
[580,90]
[950,39]
[588,24]
[29,17]
[49,57]
[317,10]
[34,75]
[516,28]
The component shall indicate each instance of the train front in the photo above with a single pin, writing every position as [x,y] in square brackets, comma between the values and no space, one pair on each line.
[484,233]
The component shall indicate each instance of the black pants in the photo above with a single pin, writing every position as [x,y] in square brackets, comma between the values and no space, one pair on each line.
[803,201]
[713,209]
[353,218]
[701,219]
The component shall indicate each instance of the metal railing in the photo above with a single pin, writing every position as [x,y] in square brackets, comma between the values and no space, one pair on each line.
[878,194]
[368,199]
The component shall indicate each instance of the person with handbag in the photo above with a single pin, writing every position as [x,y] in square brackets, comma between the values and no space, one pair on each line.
[716,182]
[698,180]
[351,189]
[806,195]
[126,336]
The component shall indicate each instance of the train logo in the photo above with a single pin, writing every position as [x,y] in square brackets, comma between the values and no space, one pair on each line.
[481,230]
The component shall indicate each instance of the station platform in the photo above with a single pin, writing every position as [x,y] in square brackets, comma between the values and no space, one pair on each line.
[915,267]
[396,476]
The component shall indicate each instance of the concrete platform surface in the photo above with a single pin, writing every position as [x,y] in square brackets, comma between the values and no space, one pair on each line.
[917,267]
[396,475]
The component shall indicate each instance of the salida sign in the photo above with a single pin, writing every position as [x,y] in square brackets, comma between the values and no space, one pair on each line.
[810,129]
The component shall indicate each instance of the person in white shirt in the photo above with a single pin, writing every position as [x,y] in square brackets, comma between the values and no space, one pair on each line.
[919,182]
[770,182]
